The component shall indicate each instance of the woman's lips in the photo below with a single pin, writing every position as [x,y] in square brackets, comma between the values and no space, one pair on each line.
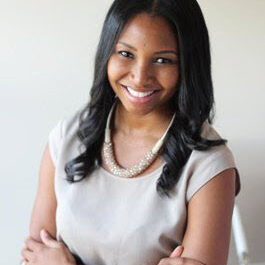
[140,90]
[136,99]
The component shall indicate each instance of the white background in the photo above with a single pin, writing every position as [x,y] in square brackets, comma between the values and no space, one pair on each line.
[47,52]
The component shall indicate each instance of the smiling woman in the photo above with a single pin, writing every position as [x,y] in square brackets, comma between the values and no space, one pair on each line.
[139,175]
[144,67]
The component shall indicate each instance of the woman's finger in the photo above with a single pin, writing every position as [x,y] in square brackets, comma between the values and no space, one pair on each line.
[177,252]
[27,254]
[32,244]
[170,261]
[22,260]
[48,240]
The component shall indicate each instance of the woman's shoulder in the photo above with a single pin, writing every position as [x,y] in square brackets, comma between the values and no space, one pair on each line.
[70,123]
[203,165]
[215,155]
[209,132]
[64,130]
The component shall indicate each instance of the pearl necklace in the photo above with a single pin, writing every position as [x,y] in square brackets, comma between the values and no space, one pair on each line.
[136,169]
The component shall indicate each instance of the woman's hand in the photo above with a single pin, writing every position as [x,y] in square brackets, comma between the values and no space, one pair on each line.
[49,251]
[175,259]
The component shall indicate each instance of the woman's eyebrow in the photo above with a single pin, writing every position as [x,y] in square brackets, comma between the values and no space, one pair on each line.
[159,52]
[128,45]
[167,51]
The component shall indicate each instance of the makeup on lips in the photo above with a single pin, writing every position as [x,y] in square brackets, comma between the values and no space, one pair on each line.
[137,96]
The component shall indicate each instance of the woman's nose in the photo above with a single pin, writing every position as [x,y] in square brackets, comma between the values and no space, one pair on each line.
[141,74]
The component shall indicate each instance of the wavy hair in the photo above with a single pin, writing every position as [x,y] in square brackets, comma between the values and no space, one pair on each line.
[193,102]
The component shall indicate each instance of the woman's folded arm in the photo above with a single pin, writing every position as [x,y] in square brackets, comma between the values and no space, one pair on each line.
[208,231]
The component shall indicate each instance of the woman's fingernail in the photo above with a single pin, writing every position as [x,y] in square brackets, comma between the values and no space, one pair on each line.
[44,233]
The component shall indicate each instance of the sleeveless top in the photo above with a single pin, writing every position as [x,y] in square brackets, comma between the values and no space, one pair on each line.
[108,220]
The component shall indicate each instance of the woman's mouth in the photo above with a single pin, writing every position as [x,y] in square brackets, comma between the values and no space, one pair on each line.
[137,96]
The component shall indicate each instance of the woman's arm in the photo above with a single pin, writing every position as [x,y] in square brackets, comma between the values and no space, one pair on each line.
[44,209]
[40,249]
[208,229]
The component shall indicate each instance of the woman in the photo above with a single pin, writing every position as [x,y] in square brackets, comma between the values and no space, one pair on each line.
[138,175]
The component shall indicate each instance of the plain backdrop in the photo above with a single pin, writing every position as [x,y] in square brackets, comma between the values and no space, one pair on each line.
[47,52]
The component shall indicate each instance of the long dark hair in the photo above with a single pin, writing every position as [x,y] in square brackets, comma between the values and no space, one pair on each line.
[193,102]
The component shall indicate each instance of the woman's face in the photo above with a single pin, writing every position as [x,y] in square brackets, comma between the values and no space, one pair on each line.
[144,67]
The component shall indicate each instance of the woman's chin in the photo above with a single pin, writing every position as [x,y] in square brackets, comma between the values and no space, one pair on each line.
[136,109]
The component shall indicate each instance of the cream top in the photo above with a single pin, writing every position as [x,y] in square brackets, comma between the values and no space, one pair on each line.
[108,220]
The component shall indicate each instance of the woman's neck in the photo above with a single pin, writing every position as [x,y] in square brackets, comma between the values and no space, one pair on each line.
[154,123]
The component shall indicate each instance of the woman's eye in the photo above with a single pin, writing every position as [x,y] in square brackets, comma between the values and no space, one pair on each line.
[125,54]
[163,60]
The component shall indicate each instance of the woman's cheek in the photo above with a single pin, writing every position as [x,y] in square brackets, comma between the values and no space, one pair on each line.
[168,79]
[116,68]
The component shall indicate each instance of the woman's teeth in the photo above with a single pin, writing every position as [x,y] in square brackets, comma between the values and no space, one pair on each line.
[139,94]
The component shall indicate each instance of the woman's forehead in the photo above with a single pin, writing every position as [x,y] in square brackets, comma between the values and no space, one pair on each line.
[145,30]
